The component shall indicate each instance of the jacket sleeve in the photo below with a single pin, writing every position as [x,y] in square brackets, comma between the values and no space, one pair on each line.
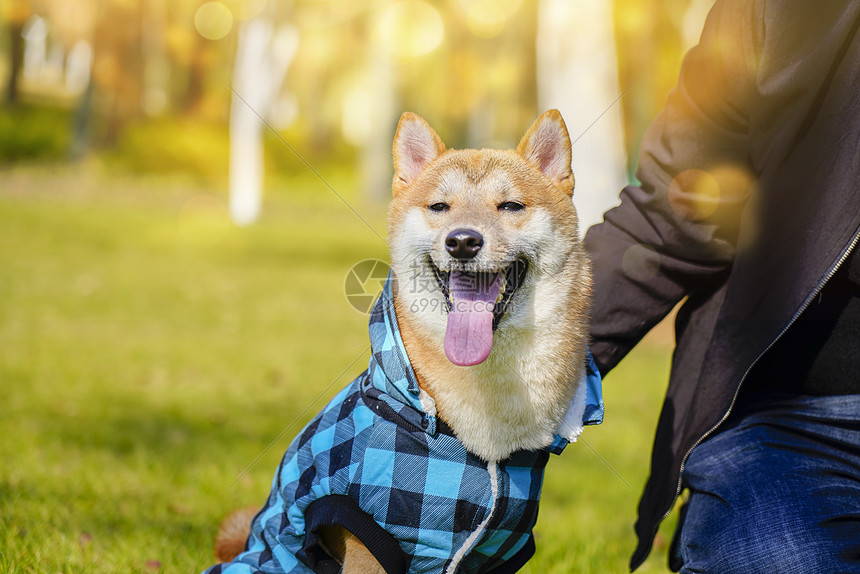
[676,233]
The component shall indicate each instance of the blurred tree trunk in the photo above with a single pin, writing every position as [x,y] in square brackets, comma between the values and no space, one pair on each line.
[376,160]
[198,70]
[118,66]
[263,55]
[81,122]
[648,36]
[693,22]
[577,74]
[18,13]
[156,66]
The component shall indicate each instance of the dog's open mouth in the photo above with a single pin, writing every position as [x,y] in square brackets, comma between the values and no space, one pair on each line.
[477,301]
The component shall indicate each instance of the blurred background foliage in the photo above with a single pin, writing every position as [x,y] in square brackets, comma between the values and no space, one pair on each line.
[146,85]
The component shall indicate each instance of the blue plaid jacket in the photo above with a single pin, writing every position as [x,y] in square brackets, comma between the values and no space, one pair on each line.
[374,462]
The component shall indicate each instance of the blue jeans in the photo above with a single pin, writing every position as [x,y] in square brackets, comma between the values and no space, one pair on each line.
[776,491]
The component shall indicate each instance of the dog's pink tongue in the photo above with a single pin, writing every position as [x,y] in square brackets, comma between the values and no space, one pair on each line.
[469,335]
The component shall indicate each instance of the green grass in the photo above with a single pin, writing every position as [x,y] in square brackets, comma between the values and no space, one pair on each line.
[155,362]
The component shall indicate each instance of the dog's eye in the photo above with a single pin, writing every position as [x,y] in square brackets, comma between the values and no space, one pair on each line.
[439,207]
[511,206]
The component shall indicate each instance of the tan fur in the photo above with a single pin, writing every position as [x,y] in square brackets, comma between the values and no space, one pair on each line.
[233,533]
[357,558]
[348,550]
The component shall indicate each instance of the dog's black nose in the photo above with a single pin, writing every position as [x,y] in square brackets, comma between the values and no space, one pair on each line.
[464,243]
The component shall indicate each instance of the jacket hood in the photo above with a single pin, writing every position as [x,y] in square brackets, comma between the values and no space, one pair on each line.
[389,370]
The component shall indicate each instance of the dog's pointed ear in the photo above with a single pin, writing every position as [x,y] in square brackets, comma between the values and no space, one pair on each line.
[415,146]
[547,146]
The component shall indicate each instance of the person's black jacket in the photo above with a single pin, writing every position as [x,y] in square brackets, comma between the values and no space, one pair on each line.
[749,201]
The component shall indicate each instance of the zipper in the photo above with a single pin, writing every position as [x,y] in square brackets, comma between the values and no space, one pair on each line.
[794,318]
[474,537]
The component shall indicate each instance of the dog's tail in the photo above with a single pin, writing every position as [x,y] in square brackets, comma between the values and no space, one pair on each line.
[233,533]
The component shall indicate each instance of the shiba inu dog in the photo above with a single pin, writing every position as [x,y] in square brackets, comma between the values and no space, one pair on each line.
[497,232]
[432,460]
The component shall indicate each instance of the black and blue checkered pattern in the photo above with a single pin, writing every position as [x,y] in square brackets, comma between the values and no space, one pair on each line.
[374,451]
